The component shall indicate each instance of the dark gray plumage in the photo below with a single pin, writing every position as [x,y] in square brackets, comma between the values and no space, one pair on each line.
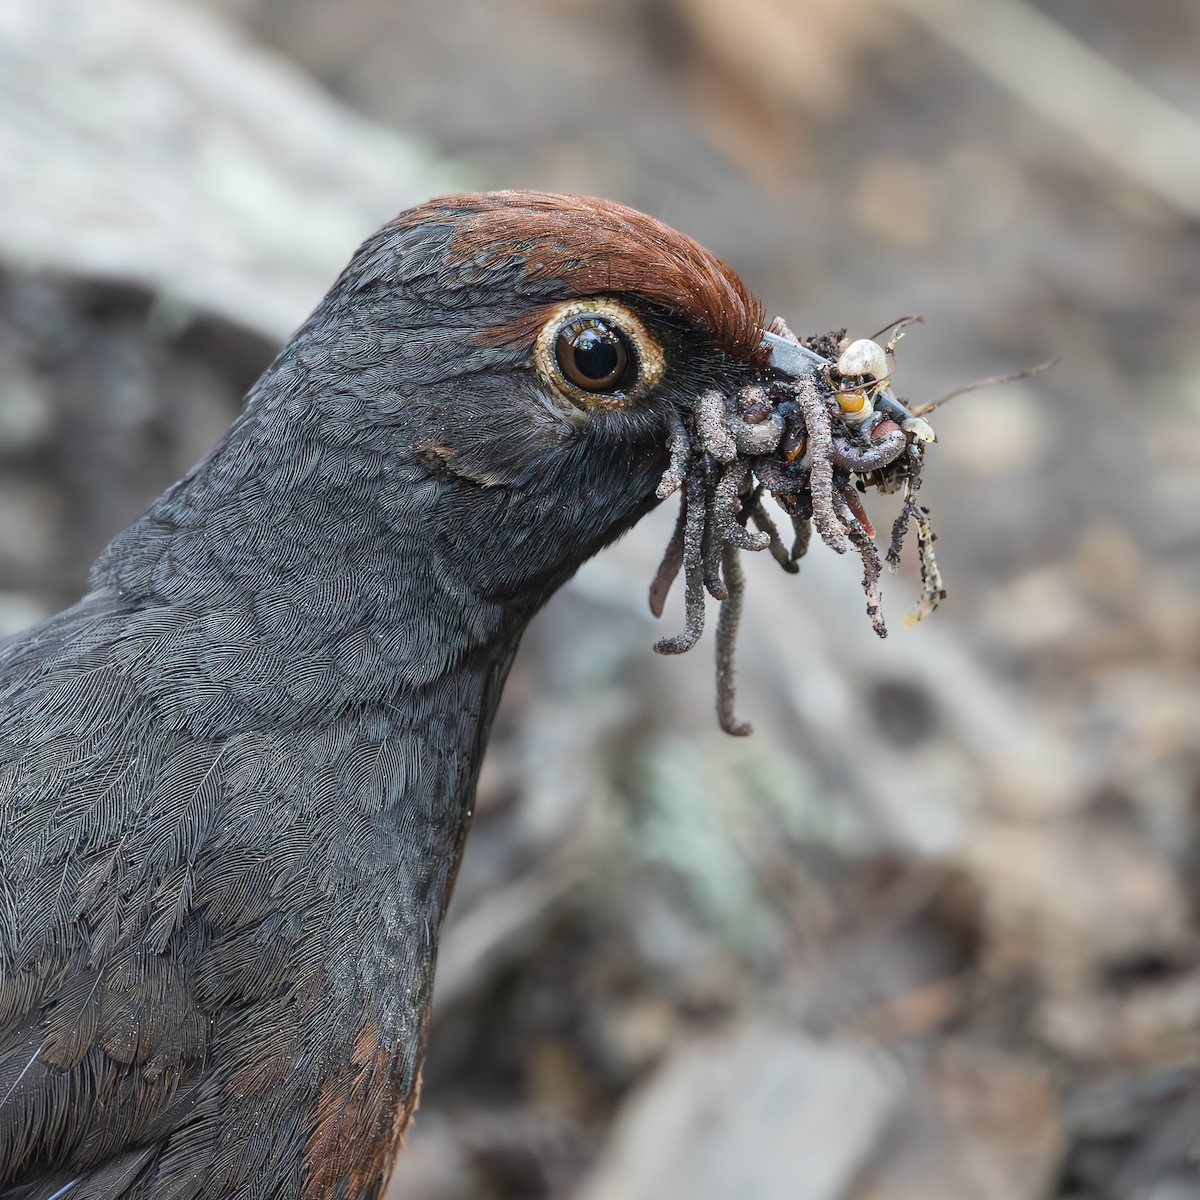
[235,779]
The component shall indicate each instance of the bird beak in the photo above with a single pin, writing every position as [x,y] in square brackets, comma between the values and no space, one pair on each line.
[798,362]
[792,359]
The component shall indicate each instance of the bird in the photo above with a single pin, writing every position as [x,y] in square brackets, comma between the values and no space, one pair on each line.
[236,777]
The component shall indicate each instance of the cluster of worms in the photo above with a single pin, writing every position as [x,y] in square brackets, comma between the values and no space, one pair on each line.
[814,444]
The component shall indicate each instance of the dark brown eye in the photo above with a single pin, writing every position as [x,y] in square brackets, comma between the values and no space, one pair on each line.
[594,354]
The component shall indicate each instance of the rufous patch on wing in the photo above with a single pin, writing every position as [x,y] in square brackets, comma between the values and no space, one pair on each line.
[358,1126]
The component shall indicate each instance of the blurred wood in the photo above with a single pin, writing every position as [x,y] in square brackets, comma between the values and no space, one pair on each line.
[979,1124]
[145,141]
[1141,136]
[916,1012]
[1070,901]
[805,52]
[1148,1023]
[433,1166]
[502,928]
[765,1112]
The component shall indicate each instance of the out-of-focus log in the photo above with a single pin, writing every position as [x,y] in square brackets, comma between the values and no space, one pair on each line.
[145,141]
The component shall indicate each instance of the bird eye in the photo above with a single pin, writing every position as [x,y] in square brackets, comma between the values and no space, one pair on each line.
[594,354]
[597,353]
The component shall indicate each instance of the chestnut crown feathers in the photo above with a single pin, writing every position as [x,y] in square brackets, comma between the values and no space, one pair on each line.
[592,247]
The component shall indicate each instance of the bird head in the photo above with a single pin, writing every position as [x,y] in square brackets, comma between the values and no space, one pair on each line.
[497,386]
[530,352]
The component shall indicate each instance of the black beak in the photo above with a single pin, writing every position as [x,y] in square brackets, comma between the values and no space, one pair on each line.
[797,362]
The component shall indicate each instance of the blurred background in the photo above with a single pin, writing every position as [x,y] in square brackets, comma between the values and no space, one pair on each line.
[931,933]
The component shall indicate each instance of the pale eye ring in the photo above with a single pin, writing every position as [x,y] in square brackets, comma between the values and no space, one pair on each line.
[597,353]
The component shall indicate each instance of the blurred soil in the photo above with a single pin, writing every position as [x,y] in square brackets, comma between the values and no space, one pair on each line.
[931,934]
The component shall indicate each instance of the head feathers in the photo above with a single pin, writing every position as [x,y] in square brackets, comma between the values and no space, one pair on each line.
[593,247]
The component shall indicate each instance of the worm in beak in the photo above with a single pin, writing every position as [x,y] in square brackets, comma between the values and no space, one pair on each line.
[790,436]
